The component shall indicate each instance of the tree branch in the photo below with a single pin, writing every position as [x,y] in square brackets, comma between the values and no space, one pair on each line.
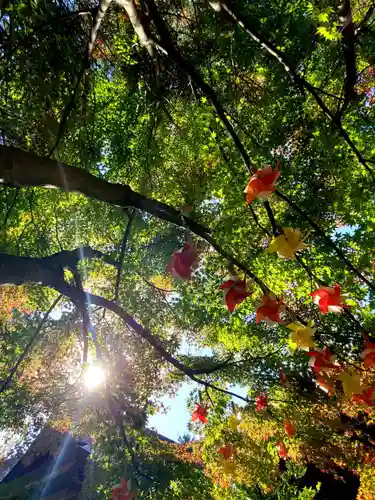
[100,13]
[85,65]
[26,169]
[138,27]
[122,253]
[361,25]
[151,285]
[21,168]
[11,206]
[256,220]
[298,79]
[85,316]
[69,107]
[116,413]
[348,47]
[47,276]
[327,239]
[168,48]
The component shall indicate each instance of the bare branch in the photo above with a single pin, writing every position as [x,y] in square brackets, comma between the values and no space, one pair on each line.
[102,9]
[139,28]
[122,253]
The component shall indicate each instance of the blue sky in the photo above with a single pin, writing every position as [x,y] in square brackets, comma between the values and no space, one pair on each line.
[173,424]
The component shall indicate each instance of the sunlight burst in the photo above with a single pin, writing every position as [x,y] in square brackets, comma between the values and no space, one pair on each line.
[94,376]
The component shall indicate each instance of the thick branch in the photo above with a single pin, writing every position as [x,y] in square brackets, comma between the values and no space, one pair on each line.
[46,270]
[102,9]
[26,169]
[47,277]
[138,27]
[362,25]
[20,168]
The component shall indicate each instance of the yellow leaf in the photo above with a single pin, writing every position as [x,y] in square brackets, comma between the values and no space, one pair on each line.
[288,243]
[163,282]
[351,384]
[302,337]
[228,466]
[233,423]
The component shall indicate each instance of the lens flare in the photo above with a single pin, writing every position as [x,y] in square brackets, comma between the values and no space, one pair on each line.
[94,376]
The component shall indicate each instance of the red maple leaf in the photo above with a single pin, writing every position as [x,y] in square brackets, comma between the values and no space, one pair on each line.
[262,183]
[226,451]
[369,354]
[120,491]
[261,402]
[282,450]
[365,398]
[182,262]
[322,360]
[269,310]
[289,428]
[329,299]
[235,292]
[199,414]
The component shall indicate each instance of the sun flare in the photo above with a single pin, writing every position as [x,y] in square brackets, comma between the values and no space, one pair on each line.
[94,376]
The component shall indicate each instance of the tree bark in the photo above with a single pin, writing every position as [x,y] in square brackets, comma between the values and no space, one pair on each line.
[21,168]
[100,14]
[138,27]
[50,272]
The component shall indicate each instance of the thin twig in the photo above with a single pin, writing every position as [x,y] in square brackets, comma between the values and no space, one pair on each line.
[301,82]
[116,413]
[122,252]
[29,344]
[256,219]
[327,239]
[85,316]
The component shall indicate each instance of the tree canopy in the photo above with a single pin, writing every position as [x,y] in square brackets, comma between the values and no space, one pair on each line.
[192,171]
